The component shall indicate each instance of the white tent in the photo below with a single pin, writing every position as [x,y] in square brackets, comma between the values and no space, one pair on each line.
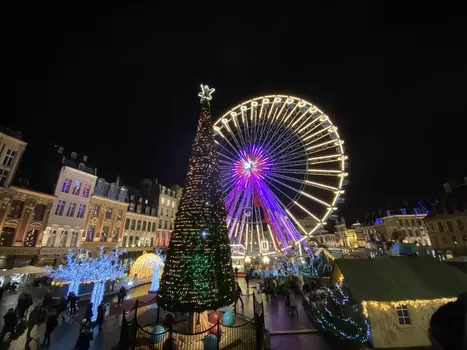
[30,270]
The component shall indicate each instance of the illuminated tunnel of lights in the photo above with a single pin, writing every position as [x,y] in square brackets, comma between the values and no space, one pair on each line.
[283,169]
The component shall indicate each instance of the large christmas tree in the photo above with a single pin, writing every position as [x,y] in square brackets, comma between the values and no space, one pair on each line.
[198,272]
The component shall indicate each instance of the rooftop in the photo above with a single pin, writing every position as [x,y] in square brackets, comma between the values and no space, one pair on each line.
[7,131]
[401,278]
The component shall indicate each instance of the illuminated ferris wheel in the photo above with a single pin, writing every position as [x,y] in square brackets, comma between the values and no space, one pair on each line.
[282,164]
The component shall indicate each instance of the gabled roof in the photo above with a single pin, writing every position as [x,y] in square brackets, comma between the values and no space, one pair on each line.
[401,278]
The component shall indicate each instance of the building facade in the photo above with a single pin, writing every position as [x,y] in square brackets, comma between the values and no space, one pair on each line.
[447,222]
[410,225]
[23,212]
[73,190]
[105,216]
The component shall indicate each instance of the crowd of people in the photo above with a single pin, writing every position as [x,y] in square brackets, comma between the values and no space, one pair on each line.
[37,320]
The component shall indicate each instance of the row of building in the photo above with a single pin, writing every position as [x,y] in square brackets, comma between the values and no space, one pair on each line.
[440,231]
[75,209]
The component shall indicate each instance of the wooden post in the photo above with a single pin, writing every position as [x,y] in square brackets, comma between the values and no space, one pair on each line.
[192,319]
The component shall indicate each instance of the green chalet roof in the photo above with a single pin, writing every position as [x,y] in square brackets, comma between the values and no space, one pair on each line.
[401,278]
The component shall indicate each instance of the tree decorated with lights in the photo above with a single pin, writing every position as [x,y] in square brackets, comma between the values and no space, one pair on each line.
[75,270]
[198,274]
[342,316]
[106,266]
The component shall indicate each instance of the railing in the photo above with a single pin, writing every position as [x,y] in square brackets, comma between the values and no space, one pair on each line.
[246,336]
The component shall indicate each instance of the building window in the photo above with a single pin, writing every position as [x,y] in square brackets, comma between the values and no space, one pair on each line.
[162,200]
[15,209]
[465,240]
[450,226]
[460,225]
[165,225]
[71,210]
[60,207]
[86,191]
[455,241]
[74,239]
[108,213]
[90,233]
[81,211]
[31,236]
[133,223]
[173,204]
[76,188]
[153,227]
[115,234]
[124,242]
[144,226]
[9,156]
[66,186]
[39,211]
[63,239]
[440,227]
[104,233]
[127,224]
[95,210]
[3,177]
[403,314]
[138,226]
[118,214]
[51,238]
[6,239]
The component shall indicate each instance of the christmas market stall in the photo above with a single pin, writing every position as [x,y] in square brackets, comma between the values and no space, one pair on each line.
[398,295]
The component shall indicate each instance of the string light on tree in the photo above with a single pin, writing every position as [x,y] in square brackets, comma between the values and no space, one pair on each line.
[198,273]
[100,269]
[74,271]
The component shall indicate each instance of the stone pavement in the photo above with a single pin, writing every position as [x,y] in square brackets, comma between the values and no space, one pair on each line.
[283,327]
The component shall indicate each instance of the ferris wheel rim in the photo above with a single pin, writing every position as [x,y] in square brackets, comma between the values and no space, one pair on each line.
[271,101]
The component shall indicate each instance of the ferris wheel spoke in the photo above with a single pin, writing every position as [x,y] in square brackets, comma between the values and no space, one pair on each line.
[324,146]
[227,155]
[335,158]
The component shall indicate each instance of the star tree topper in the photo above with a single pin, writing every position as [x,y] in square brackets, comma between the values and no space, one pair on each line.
[205,93]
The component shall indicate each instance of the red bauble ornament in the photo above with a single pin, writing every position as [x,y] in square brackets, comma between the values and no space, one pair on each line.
[168,320]
[215,316]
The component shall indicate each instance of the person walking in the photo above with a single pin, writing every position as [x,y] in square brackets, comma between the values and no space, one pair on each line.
[247,280]
[121,295]
[238,296]
[73,302]
[10,320]
[88,315]
[50,326]
[100,314]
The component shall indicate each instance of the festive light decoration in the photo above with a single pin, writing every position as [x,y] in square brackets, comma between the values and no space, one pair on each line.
[156,273]
[148,267]
[73,273]
[281,158]
[100,269]
[206,93]
[391,305]
[198,273]
[342,315]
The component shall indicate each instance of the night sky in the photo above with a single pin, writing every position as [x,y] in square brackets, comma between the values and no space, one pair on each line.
[120,85]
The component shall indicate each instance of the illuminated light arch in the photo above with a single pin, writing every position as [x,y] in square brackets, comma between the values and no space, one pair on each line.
[281,159]
[148,267]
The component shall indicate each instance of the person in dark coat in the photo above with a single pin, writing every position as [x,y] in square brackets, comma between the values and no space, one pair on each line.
[73,302]
[247,279]
[2,289]
[238,296]
[100,314]
[84,339]
[9,324]
[121,295]
[49,328]
[62,308]
[88,315]
[21,307]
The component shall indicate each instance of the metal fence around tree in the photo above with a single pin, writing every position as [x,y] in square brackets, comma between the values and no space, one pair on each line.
[249,335]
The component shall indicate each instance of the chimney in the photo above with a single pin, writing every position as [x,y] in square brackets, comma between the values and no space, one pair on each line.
[447,187]
[85,158]
[74,155]
[60,149]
